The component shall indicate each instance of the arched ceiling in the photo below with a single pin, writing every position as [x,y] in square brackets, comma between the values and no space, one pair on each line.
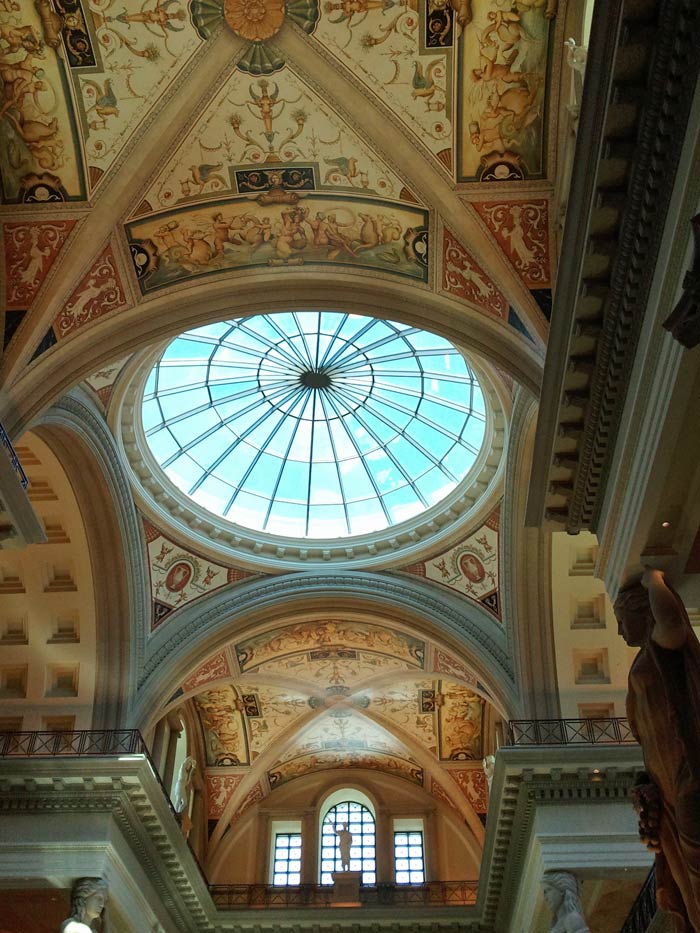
[337,694]
[152,150]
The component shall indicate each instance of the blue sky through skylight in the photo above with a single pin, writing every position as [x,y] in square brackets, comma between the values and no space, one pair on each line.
[313,424]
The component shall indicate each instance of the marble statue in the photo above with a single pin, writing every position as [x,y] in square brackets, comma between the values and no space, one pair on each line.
[562,892]
[181,794]
[489,764]
[663,707]
[88,898]
[344,844]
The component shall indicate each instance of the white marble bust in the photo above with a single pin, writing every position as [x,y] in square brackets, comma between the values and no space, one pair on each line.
[88,898]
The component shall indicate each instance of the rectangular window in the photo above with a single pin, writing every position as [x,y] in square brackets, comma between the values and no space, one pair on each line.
[409,862]
[286,859]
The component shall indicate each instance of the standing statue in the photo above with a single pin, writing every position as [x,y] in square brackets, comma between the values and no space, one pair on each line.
[663,707]
[181,793]
[344,843]
[489,765]
[562,892]
[88,898]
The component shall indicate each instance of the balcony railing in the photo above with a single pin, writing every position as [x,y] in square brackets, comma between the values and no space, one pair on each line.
[431,894]
[14,459]
[643,910]
[569,732]
[105,742]
[81,743]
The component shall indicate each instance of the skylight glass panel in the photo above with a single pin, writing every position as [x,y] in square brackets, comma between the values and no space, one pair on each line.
[307,424]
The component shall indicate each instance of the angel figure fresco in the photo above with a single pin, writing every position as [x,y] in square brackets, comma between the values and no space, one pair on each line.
[506,93]
[28,98]
[161,20]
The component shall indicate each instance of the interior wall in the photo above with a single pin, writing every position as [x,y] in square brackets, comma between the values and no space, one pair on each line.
[47,608]
[451,851]
[592,659]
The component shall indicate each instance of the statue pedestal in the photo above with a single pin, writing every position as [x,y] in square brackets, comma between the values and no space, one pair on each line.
[346,888]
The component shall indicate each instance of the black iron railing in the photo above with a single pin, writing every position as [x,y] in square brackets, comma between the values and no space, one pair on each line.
[104,742]
[431,894]
[80,743]
[643,910]
[569,732]
[14,459]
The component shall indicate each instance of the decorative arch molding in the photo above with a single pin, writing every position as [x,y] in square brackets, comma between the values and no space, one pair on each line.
[202,629]
[177,309]
[527,590]
[76,432]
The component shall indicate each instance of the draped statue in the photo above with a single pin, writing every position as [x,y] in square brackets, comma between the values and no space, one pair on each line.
[663,707]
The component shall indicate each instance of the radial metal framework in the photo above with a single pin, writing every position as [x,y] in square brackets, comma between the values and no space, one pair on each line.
[313,424]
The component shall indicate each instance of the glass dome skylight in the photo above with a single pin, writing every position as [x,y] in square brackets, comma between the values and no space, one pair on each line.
[313,424]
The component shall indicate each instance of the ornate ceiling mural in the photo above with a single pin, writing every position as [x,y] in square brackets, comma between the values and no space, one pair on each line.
[337,760]
[78,82]
[522,231]
[99,292]
[179,576]
[321,641]
[342,729]
[470,568]
[403,54]
[101,382]
[260,134]
[30,251]
[502,98]
[285,227]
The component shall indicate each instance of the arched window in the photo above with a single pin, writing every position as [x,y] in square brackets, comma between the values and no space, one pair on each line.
[350,811]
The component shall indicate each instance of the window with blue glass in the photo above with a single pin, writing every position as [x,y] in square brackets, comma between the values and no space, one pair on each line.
[313,424]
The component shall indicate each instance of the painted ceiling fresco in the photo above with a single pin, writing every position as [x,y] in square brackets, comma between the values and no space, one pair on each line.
[470,568]
[502,100]
[266,721]
[280,227]
[102,380]
[446,718]
[78,80]
[319,641]
[342,729]
[179,576]
[399,55]
[252,129]
[238,725]
[30,251]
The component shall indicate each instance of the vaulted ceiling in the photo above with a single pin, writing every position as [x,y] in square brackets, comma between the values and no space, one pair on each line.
[156,149]
[170,162]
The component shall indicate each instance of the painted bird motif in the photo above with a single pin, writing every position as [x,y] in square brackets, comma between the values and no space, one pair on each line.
[202,175]
[423,84]
[105,104]
[346,168]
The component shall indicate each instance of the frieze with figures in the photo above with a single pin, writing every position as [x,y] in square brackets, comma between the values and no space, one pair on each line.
[229,235]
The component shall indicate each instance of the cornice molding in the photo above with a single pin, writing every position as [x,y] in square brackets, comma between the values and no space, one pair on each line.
[527,779]
[637,135]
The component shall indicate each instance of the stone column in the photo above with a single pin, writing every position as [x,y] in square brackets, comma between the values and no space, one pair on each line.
[384,846]
[309,847]
[169,767]
[158,747]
